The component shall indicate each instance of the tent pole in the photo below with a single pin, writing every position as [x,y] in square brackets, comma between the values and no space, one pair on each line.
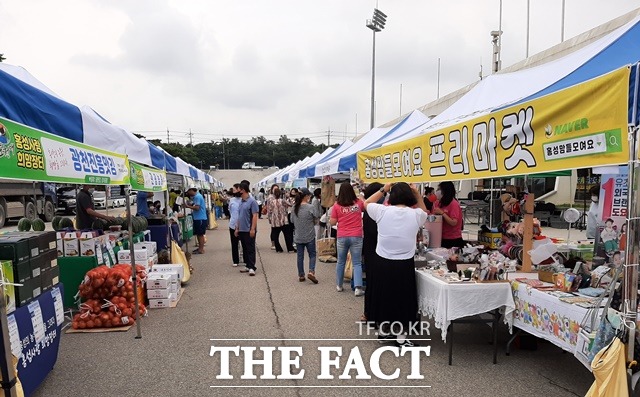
[134,276]
[630,288]
[6,356]
[167,221]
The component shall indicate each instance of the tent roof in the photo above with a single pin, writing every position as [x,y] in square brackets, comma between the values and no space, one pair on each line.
[504,89]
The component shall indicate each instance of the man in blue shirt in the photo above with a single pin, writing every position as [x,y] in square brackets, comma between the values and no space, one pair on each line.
[246,229]
[199,215]
[234,206]
[142,207]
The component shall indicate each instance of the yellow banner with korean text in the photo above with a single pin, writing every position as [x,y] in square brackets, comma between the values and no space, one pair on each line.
[581,126]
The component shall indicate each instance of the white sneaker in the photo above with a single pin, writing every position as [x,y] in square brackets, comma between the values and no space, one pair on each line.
[339,288]
[359,291]
[235,265]
[252,272]
[244,270]
[273,248]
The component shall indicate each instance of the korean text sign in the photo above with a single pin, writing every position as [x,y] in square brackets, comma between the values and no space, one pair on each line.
[147,179]
[30,154]
[580,126]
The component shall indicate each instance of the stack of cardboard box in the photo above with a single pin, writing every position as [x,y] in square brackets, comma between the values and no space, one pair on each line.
[30,259]
[163,285]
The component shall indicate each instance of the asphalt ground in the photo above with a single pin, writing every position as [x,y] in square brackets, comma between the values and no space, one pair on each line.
[173,356]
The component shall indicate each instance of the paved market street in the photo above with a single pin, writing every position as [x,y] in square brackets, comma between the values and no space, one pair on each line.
[172,358]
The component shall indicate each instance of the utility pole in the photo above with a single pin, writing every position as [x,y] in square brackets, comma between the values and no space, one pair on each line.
[223,154]
[329,137]
[167,135]
[190,137]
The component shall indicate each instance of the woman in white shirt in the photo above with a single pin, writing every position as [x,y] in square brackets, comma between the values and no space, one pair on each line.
[395,299]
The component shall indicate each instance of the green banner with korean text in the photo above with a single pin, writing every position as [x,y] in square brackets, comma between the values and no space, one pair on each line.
[33,155]
[147,179]
[581,126]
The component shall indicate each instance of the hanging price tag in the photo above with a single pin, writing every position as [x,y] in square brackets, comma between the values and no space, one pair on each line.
[14,336]
[36,321]
[57,304]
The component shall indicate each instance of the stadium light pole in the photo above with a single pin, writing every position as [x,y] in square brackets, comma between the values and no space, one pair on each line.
[376,24]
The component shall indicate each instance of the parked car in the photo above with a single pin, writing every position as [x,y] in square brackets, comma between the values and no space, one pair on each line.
[66,200]
[100,200]
[133,197]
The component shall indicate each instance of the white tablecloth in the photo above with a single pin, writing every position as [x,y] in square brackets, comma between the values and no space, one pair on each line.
[545,316]
[446,302]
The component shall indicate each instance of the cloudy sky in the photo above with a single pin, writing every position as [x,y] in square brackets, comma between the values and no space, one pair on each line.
[246,68]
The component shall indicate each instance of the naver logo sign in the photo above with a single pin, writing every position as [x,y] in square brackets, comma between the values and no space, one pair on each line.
[561,129]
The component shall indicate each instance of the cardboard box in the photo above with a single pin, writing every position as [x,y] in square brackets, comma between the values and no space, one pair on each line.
[158,281]
[89,246]
[71,247]
[30,290]
[545,276]
[49,278]
[162,303]
[150,246]
[491,240]
[9,290]
[44,241]
[14,248]
[60,247]
[162,293]
[174,288]
[141,256]
[43,262]
[113,236]
[22,271]
[179,269]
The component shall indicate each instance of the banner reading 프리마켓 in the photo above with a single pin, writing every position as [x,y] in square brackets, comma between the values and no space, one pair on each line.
[147,179]
[34,155]
[581,126]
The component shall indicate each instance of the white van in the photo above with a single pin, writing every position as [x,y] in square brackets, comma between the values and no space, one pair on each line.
[248,166]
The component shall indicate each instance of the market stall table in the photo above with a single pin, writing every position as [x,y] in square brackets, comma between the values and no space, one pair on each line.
[545,316]
[456,302]
[34,331]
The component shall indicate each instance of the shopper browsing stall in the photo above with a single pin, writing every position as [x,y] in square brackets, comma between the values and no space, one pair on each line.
[347,214]
[449,208]
[394,296]
[199,214]
[234,206]
[370,259]
[304,216]
[85,213]
[277,209]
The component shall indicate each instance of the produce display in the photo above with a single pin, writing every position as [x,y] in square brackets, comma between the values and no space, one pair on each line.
[38,225]
[55,222]
[24,225]
[109,298]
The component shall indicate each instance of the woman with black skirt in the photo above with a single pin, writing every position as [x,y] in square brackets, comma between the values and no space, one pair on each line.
[369,256]
[394,297]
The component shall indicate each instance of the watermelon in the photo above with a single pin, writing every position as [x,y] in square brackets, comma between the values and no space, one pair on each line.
[24,225]
[38,225]
[55,222]
[99,224]
[125,224]
[65,223]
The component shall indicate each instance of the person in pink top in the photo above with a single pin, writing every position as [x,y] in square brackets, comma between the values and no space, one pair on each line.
[347,214]
[449,208]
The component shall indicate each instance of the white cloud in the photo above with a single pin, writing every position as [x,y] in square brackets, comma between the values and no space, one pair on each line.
[256,67]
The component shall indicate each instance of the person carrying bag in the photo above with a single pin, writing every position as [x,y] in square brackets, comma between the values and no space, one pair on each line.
[326,247]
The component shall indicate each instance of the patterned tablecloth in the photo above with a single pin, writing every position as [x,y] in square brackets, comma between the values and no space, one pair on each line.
[545,316]
[445,302]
